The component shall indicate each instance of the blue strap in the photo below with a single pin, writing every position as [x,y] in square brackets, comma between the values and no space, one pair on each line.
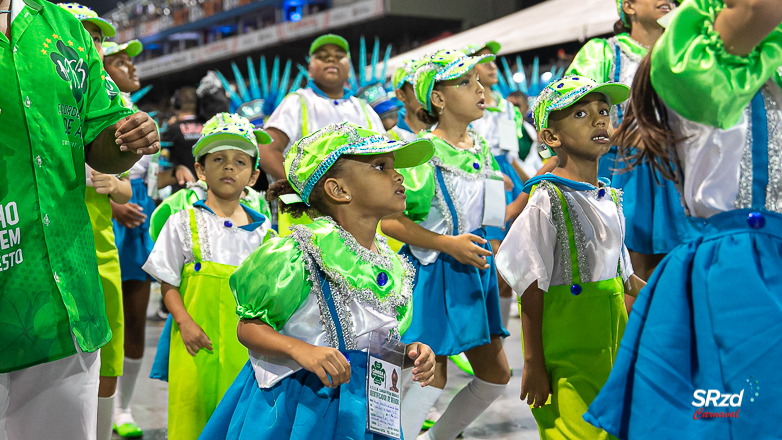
[448,201]
[617,71]
[578,186]
[759,152]
[325,288]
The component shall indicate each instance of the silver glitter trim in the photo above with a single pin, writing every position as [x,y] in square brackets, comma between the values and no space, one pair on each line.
[744,195]
[448,178]
[203,235]
[562,236]
[580,239]
[184,220]
[325,314]
[381,259]
[302,144]
[442,205]
[343,292]
[773,190]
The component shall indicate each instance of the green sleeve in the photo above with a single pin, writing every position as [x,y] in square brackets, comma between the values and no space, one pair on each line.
[103,104]
[271,283]
[696,76]
[594,60]
[419,188]
[180,200]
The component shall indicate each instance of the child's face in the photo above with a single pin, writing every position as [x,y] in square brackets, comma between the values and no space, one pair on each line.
[582,130]
[374,185]
[329,65]
[227,172]
[96,35]
[123,72]
[487,72]
[647,12]
[462,97]
[406,94]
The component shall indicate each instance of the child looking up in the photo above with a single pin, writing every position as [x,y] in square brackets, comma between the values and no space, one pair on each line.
[195,253]
[567,257]
[311,302]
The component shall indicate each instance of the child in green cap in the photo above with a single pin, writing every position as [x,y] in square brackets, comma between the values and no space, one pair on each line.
[450,202]
[311,303]
[102,190]
[408,125]
[566,256]
[195,253]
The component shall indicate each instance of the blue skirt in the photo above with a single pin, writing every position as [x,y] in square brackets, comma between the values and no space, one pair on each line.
[163,353]
[709,319]
[494,233]
[654,215]
[456,306]
[135,245]
[298,407]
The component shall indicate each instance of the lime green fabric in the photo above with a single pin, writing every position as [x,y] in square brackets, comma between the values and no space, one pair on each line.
[696,76]
[85,14]
[581,335]
[596,59]
[273,282]
[565,92]
[403,74]
[311,156]
[230,131]
[329,39]
[472,49]
[132,48]
[112,354]
[419,182]
[196,384]
[56,99]
[442,65]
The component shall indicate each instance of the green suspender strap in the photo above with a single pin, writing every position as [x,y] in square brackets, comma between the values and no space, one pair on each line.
[619,217]
[196,241]
[304,120]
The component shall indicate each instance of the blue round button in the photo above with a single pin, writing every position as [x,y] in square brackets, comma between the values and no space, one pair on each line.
[476,165]
[755,220]
[601,193]
[382,279]
[228,224]
[575,289]
[197,267]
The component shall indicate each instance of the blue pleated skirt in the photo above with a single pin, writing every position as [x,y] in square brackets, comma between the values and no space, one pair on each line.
[298,407]
[456,306]
[135,245]
[654,216]
[493,233]
[710,318]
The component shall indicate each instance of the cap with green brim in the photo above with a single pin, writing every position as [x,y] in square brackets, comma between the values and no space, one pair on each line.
[85,14]
[132,48]
[329,39]
[569,90]
[403,74]
[443,65]
[472,49]
[313,155]
[229,131]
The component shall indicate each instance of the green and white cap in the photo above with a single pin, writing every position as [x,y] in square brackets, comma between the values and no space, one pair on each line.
[229,131]
[404,74]
[132,48]
[84,13]
[569,90]
[329,39]
[443,65]
[472,49]
[313,155]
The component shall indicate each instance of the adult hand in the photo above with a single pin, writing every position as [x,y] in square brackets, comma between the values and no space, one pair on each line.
[129,215]
[423,361]
[138,133]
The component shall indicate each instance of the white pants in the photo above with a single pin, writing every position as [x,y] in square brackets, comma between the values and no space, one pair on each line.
[55,400]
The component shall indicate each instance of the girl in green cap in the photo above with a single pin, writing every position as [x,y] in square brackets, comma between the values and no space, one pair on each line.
[195,253]
[703,339]
[311,303]
[450,200]
[655,219]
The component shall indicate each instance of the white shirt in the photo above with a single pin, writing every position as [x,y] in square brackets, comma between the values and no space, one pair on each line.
[532,251]
[711,159]
[219,243]
[320,112]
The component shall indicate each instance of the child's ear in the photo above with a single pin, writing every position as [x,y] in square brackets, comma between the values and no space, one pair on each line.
[438,100]
[550,138]
[254,177]
[200,171]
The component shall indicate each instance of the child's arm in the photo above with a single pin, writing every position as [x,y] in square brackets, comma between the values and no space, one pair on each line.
[633,286]
[118,189]
[192,334]
[461,247]
[327,363]
[535,385]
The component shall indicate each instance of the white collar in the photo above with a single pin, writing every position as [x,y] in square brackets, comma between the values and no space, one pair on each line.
[16,8]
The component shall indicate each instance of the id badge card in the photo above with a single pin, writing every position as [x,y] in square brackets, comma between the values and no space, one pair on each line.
[506,131]
[493,203]
[152,172]
[385,359]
